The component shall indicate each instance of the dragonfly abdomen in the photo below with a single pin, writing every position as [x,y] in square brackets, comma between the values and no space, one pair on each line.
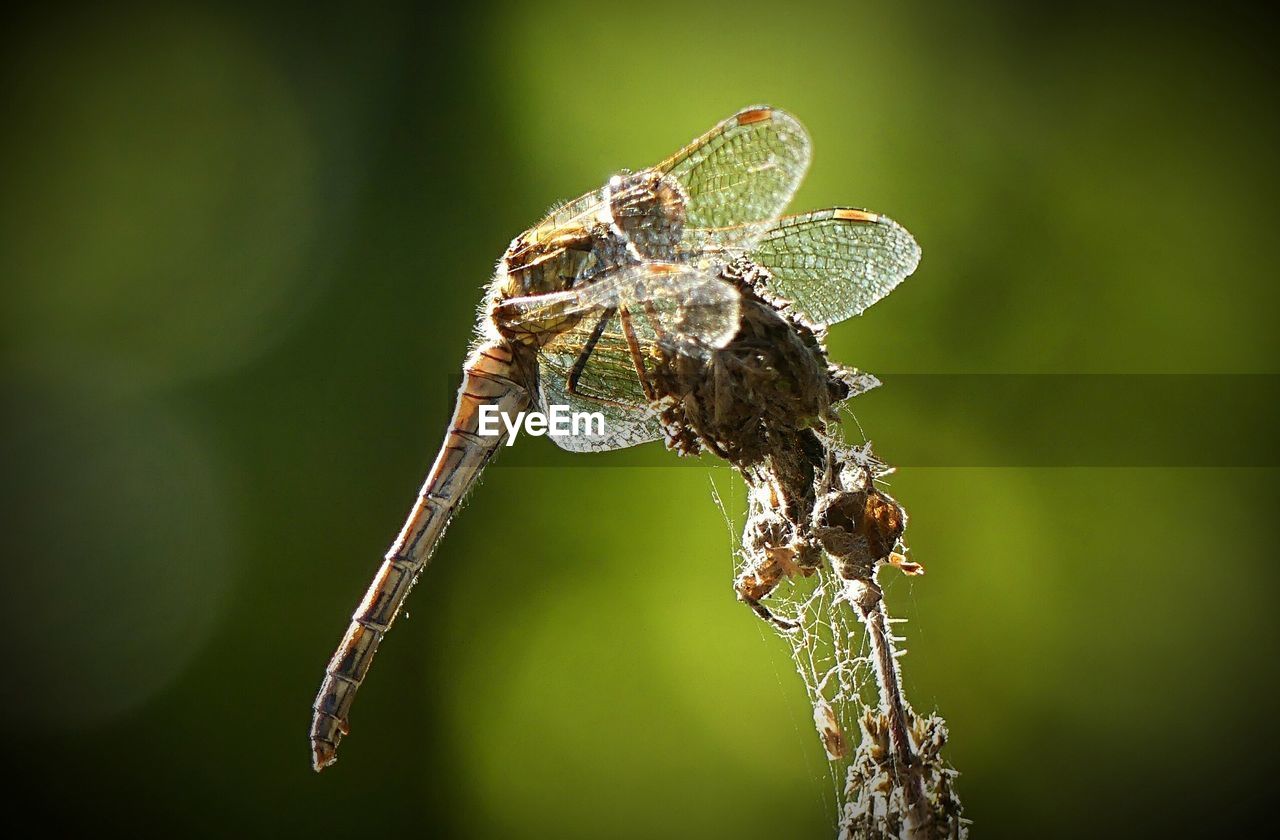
[490,377]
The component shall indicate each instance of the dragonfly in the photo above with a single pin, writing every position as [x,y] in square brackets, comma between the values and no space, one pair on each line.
[582,302]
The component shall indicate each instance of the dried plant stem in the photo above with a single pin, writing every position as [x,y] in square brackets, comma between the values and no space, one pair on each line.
[868,599]
[818,529]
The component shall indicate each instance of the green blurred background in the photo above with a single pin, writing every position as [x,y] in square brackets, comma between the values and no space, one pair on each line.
[242,250]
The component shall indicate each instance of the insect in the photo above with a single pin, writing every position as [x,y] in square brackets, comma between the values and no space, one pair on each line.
[582,304]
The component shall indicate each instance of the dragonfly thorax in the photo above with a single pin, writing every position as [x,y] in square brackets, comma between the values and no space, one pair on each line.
[540,261]
[648,211]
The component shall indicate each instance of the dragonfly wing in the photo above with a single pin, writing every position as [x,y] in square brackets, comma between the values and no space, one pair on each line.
[832,264]
[683,304]
[739,177]
[619,426]
[675,301]
[616,326]
[570,212]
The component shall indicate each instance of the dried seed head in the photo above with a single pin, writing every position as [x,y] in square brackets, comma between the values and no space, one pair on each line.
[833,740]
[858,529]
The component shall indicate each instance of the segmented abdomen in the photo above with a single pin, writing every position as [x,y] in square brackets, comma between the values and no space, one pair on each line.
[488,378]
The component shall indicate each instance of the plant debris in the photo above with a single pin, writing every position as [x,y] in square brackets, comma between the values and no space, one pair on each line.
[819,528]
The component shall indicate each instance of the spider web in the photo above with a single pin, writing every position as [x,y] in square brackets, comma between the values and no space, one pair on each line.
[828,649]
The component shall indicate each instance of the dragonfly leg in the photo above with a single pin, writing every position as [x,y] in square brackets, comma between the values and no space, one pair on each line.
[655,320]
[580,364]
[637,358]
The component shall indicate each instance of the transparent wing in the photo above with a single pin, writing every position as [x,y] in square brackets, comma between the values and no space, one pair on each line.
[675,300]
[598,344]
[566,214]
[607,386]
[833,264]
[739,177]
[736,180]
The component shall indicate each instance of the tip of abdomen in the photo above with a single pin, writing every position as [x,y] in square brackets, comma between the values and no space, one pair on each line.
[322,754]
[326,732]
